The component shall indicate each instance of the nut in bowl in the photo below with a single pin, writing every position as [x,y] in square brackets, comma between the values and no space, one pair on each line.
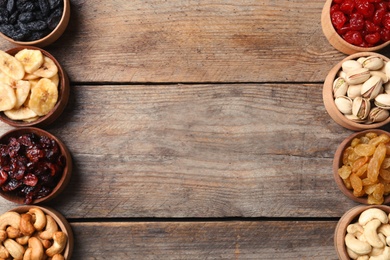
[34,88]
[352,27]
[33,232]
[361,167]
[34,23]
[363,231]
[356,91]
[35,166]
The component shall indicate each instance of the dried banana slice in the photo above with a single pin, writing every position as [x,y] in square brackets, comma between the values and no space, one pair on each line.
[7,97]
[22,113]
[22,91]
[31,59]
[55,79]
[11,66]
[43,97]
[48,68]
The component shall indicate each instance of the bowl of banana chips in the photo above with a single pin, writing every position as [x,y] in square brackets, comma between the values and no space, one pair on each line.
[34,88]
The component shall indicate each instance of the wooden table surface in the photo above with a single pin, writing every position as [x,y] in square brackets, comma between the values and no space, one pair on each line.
[198,130]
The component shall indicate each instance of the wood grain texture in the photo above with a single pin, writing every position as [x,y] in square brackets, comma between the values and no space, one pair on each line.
[205,240]
[192,41]
[249,150]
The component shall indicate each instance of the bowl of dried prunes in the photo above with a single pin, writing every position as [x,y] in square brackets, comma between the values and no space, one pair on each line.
[33,22]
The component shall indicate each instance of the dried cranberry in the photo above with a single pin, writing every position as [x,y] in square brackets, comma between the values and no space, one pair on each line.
[373,38]
[356,22]
[386,21]
[365,8]
[338,19]
[30,180]
[3,177]
[354,37]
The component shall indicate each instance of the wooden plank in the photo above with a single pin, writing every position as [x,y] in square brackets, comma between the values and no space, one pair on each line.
[192,41]
[249,150]
[205,240]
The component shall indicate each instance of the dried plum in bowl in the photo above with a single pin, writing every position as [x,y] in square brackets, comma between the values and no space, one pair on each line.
[35,166]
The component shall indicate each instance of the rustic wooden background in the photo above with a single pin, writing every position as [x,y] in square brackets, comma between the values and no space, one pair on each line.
[198,131]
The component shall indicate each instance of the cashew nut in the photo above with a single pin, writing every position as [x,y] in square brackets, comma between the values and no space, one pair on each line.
[373,213]
[3,235]
[384,229]
[357,246]
[27,254]
[370,232]
[59,242]
[40,218]
[26,226]
[51,227]
[36,249]
[363,257]
[14,248]
[10,218]
[352,254]
[3,252]
[58,257]
[13,232]
[22,240]
[384,256]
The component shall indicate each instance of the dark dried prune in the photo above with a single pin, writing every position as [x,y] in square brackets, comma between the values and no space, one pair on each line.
[3,16]
[34,26]
[37,35]
[54,19]
[14,32]
[54,3]
[13,17]
[44,7]
[25,5]
[26,17]
[11,6]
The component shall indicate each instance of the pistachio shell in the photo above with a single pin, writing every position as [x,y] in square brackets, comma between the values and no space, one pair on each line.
[340,87]
[354,118]
[378,114]
[386,87]
[344,104]
[361,59]
[372,87]
[380,74]
[387,69]
[373,63]
[357,76]
[361,107]
[383,101]
[354,91]
[349,65]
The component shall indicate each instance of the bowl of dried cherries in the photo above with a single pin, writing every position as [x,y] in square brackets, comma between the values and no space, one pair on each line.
[363,232]
[361,167]
[35,88]
[356,25]
[32,22]
[35,232]
[35,166]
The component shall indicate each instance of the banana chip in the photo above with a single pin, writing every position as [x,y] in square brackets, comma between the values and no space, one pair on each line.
[7,97]
[31,59]
[11,66]
[43,97]
[48,68]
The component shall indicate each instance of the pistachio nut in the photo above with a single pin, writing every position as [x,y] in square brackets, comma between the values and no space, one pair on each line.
[349,65]
[344,104]
[361,107]
[383,101]
[380,74]
[340,87]
[386,87]
[373,63]
[357,76]
[378,114]
[361,59]
[341,74]
[354,118]
[354,90]
[387,69]
[372,87]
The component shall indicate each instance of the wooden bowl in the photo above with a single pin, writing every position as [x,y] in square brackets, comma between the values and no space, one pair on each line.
[349,217]
[336,40]
[338,162]
[328,99]
[63,225]
[51,37]
[63,95]
[66,175]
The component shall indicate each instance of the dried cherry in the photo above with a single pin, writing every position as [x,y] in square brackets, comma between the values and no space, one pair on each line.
[30,166]
[364,23]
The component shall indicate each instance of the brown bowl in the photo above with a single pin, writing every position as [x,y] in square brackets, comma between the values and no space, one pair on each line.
[63,95]
[63,225]
[336,40]
[338,162]
[349,217]
[328,99]
[66,175]
[51,37]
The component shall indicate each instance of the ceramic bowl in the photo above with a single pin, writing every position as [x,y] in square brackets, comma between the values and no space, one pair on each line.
[63,95]
[66,175]
[336,40]
[51,37]
[62,223]
[338,162]
[349,217]
[328,99]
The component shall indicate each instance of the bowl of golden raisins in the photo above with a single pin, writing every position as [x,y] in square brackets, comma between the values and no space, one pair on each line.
[361,167]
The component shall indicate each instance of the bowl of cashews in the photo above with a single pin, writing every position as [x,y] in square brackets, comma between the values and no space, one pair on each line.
[363,231]
[35,232]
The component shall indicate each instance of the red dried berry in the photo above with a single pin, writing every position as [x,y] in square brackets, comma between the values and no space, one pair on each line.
[347,6]
[338,19]
[354,37]
[373,38]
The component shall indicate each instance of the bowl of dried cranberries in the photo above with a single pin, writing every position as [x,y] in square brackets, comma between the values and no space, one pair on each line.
[33,23]
[356,25]
[35,88]
[35,166]
[361,167]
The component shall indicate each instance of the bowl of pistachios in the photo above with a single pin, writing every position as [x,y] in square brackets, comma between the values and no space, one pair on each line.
[356,91]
